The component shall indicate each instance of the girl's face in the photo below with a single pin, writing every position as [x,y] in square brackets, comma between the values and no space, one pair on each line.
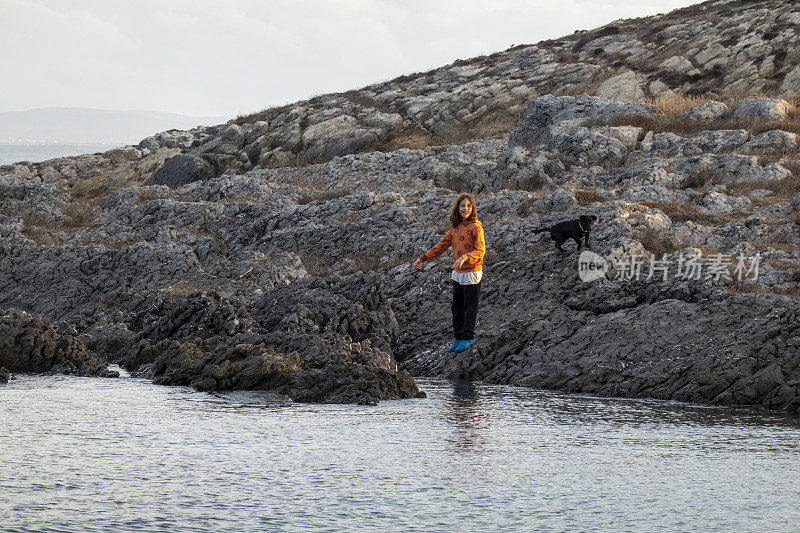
[465,208]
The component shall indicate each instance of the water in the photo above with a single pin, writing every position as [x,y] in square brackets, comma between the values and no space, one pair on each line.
[42,151]
[90,454]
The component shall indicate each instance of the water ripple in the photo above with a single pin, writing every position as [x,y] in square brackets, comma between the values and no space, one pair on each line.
[86,455]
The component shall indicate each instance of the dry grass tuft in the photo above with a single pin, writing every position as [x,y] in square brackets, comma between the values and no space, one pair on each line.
[147,195]
[785,189]
[323,265]
[676,106]
[702,179]
[524,207]
[413,138]
[741,287]
[656,243]
[784,265]
[79,215]
[585,197]
[684,213]
[670,111]
[36,228]
[794,167]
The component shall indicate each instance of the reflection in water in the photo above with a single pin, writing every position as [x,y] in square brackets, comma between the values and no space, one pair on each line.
[467,416]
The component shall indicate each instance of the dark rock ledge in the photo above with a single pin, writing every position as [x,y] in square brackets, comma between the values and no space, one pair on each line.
[30,344]
[690,343]
[316,340]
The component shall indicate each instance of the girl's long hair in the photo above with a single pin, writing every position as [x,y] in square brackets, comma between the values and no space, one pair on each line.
[455,215]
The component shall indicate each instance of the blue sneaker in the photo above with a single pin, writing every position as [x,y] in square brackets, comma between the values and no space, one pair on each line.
[464,345]
[453,347]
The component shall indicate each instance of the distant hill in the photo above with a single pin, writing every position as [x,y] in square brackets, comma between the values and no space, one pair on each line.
[78,125]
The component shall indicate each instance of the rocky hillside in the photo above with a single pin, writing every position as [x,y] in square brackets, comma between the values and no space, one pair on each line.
[720,49]
[297,278]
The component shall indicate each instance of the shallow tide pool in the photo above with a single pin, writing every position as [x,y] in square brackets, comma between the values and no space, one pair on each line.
[93,454]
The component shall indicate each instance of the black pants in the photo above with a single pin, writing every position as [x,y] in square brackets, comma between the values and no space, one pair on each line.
[465,309]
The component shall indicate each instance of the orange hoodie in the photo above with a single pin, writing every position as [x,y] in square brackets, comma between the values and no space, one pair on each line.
[466,239]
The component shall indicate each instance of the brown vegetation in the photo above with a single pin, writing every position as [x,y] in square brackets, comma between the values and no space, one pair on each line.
[677,105]
[741,287]
[323,265]
[785,189]
[524,207]
[683,213]
[702,178]
[147,195]
[412,137]
[670,118]
[36,229]
[585,197]
[79,215]
[655,243]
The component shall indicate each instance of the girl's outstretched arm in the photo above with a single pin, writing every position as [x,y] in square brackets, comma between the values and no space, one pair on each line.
[439,248]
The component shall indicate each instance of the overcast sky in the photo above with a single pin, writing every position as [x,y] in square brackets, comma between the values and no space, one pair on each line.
[225,57]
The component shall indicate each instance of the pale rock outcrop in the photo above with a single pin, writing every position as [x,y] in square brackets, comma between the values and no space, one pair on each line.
[624,87]
[708,111]
[661,91]
[791,82]
[765,108]
[775,141]
[677,64]
[569,113]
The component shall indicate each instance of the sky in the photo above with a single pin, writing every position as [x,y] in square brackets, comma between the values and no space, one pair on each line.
[229,57]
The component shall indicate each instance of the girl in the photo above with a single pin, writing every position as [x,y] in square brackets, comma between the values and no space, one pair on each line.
[466,237]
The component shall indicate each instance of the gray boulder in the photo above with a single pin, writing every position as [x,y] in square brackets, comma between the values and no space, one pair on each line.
[337,136]
[181,169]
[765,108]
[650,193]
[773,141]
[677,65]
[707,112]
[569,112]
[718,202]
[791,82]
[714,141]
[622,88]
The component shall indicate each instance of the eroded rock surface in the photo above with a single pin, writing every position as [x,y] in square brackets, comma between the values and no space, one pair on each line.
[274,252]
[720,49]
[31,345]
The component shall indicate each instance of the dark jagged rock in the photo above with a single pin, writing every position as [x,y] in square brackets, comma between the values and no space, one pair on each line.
[30,344]
[215,365]
[5,375]
[181,169]
[690,343]
[317,340]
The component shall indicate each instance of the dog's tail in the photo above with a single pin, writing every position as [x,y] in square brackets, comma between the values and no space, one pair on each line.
[541,230]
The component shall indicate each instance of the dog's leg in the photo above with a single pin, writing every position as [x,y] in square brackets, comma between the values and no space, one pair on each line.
[586,240]
[578,240]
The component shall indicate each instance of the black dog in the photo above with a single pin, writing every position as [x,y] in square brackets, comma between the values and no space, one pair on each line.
[571,229]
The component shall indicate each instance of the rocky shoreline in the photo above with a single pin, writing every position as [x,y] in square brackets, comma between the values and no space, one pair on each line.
[222,259]
[30,344]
